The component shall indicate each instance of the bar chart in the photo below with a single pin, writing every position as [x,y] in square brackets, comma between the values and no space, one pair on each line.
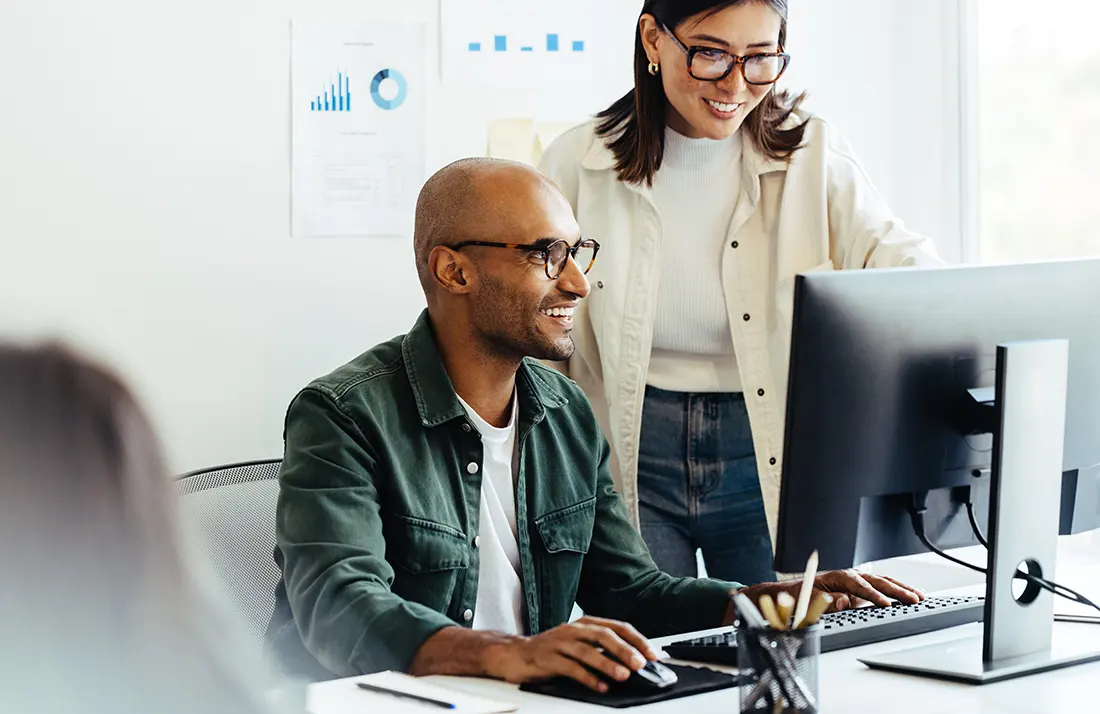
[552,44]
[565,44]
[336,97]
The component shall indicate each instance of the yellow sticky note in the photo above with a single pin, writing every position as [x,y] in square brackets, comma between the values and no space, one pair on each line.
[513,139]
[523,140]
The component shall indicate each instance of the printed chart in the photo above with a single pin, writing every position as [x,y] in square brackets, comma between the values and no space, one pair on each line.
[525,43]
[359,113]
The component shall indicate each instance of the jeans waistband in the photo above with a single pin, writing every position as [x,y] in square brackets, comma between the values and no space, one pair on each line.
[667,397]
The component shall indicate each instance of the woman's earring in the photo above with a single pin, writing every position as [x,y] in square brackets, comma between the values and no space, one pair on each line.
[654,68]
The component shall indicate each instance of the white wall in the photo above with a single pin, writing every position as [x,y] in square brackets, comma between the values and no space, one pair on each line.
[886,72]
[144,187]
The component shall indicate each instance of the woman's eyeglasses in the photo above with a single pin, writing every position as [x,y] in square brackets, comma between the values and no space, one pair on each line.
[711,64]
[554,255]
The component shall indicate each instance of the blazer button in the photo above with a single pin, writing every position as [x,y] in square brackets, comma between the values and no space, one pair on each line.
[466,428]
[772,461]
[746,317]
[734,244]
[471,468]
[600,285]
[477,541]
[760,392]
[468,615]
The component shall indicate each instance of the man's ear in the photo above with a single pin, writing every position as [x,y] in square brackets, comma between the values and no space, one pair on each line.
[450,270]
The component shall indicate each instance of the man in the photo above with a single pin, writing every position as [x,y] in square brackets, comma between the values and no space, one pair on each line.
[445,499]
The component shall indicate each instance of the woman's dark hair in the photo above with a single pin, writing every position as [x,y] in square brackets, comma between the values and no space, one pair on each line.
[100,608]
[635,124]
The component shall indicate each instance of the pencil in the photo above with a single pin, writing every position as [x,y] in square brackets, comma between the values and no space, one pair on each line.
[807,588]
[767,609]
[405,695]
[818,605]
[784,602]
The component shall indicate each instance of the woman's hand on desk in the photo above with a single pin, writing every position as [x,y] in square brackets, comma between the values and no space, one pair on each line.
[570,650]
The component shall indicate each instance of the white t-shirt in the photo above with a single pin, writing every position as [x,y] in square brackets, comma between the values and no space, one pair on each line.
[500,601]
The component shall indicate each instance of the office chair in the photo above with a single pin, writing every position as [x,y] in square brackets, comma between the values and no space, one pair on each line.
[229,513]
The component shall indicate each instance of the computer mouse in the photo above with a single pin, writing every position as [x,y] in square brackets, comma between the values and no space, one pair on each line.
[653,677]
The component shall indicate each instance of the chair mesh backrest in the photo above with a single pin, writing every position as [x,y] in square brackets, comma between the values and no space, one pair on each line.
[230,515]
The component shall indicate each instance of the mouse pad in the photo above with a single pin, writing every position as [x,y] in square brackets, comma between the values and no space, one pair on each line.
[692,680]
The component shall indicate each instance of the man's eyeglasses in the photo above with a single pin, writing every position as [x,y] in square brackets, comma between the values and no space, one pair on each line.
[711,64]
[554,255]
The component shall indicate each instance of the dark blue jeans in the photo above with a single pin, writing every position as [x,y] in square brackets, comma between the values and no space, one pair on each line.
[698,487]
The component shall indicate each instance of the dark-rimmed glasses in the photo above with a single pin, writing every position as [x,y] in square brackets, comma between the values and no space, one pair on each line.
[554,255]
[711,64]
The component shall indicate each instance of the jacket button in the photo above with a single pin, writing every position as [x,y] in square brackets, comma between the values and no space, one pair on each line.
[772,461]
[468,615]
[760,392]
[466,428]
[477,541]
[734,244]
[747,317]
[471,468]
[600,285]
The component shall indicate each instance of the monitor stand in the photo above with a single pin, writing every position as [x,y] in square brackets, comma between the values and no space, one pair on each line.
[1019,636]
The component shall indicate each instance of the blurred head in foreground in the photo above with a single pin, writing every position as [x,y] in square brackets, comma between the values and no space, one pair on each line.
[99,610]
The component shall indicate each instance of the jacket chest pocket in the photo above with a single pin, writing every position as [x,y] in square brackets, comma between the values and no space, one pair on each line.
[566,537]
[428,559]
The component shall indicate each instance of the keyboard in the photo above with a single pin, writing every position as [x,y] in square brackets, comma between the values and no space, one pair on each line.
[850,628]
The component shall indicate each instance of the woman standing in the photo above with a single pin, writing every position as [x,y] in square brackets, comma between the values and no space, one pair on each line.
[709,192]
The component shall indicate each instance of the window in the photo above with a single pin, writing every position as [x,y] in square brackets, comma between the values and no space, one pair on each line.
[1039,109]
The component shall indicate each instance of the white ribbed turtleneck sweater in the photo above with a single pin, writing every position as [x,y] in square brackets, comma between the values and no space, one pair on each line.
[695,192]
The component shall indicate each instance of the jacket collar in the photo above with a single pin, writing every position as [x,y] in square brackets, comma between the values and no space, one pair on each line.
[434,392]
[754,163]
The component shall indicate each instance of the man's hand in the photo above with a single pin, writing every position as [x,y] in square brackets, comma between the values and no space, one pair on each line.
[566,649]
[848,588]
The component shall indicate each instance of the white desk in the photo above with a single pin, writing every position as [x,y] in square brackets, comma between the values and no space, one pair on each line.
[849,686]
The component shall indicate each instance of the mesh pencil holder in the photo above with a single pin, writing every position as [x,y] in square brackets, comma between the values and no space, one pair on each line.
[779,670]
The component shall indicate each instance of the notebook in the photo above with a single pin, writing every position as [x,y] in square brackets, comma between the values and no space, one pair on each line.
[344,695]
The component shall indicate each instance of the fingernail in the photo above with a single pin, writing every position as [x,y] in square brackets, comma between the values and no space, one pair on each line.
[638,661]
[601,687]
[621,673]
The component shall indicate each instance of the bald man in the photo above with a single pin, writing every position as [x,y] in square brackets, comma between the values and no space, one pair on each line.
[445,498]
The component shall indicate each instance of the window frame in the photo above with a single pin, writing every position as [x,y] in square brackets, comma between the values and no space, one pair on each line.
[970,185]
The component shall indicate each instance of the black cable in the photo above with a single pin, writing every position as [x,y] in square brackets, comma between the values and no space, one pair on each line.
[974,521]
[916,516]
[1049,586]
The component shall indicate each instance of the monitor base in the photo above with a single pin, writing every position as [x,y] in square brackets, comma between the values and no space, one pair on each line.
[961,660]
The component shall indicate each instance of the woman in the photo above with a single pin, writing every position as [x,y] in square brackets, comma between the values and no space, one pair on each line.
[709,192]
[98,611]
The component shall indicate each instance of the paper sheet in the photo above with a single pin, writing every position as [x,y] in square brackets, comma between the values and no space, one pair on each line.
[342,695]
[523,139]
[359,116]
[528,44]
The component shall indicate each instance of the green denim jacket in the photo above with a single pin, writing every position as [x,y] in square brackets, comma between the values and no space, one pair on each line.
[378,510]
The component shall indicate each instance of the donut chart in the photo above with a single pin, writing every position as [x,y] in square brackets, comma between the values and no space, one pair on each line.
[402,89]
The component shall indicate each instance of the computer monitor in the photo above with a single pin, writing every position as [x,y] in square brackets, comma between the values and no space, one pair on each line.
[889,398]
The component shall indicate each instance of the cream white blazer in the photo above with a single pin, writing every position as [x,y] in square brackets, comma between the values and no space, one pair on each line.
[817,212]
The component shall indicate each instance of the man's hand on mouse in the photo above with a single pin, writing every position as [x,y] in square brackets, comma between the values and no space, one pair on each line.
[561,651]
[849,588]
